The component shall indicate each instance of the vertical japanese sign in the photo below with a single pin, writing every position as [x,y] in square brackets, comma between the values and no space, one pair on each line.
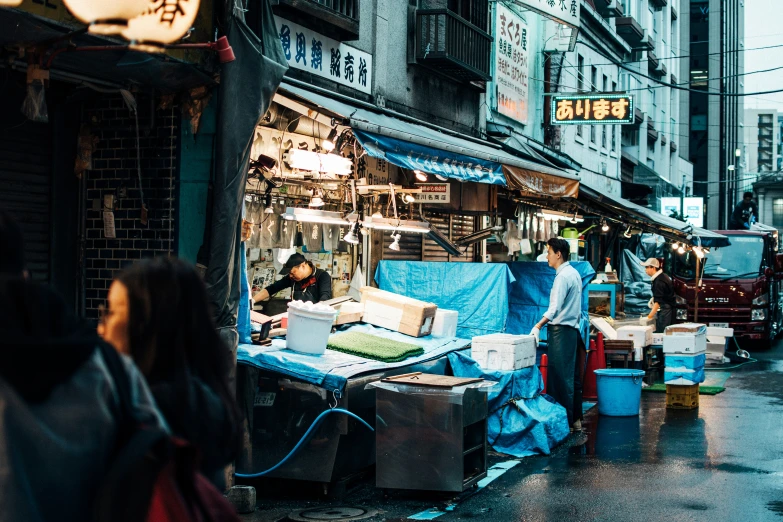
[309,51]
[592,108]
[511,64]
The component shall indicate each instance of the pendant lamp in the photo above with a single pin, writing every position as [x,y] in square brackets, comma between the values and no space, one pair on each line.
[164,22]
[111,16]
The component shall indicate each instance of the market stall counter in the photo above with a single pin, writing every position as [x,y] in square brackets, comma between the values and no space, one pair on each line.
[281,392]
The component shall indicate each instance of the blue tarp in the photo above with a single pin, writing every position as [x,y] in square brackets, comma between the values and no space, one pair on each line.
[529,297]
[533,424]
[478,291]
[333,369]
[413,156]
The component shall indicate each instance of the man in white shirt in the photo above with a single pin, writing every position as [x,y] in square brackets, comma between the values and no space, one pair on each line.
[564,377]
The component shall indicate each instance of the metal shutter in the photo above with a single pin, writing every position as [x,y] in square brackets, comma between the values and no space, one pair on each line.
[25,189]
[452,226]
[410,247]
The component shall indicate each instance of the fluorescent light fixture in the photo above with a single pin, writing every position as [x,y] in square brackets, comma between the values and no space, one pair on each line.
[420,175]
[444,242]
[311,215]
[317,162]
[480,235]
[397,225]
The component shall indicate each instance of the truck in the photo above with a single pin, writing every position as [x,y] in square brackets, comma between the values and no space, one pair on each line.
[742,286]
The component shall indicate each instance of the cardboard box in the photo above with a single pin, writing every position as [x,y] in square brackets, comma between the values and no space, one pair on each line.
[685,343]
[445,323]
[504,351]
[396,312]
[640,335]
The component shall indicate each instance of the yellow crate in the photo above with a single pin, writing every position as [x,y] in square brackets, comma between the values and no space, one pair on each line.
[682,397]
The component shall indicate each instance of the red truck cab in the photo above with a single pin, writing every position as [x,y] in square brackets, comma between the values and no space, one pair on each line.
[742,287]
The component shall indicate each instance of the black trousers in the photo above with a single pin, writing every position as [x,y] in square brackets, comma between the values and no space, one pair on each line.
[663,318]
[565,373]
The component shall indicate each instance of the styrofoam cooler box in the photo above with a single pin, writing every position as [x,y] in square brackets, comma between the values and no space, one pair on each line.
[690,362]
[640,335]
[445,323]
[683,376]
[717,331]
[504,351]
[657,339]
[685,343]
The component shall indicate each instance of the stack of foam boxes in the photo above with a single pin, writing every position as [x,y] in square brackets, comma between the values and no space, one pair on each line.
[684,347]
[504,351]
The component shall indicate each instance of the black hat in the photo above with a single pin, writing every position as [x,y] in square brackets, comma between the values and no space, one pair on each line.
[294,260]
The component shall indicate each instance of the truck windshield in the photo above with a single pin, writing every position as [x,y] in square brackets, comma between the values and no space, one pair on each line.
[742,258]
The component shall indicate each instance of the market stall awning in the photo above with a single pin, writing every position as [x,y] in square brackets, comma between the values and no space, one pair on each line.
[417,146]
[673,227]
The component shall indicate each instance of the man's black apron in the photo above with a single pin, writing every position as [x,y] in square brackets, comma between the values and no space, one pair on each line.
[566,353]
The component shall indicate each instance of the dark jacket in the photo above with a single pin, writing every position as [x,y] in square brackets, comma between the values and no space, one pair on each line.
[740,218]
[58,403]
[663,290]
[316,288]
[202,420]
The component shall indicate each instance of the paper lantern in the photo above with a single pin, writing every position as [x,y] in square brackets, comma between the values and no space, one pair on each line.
[106,16]
[164,22]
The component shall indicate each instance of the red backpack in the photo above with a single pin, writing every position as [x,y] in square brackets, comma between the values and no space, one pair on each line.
[153,477]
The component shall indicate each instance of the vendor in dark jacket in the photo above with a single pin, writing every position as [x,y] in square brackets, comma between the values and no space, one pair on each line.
[663,295]
[307,282]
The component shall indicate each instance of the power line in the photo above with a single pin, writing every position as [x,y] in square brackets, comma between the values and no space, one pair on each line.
[679,88]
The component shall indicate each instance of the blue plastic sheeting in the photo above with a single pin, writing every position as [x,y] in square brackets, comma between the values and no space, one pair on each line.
[243,315]
[533,424]
[333,369]
[529,297]
[478,291]
[413,156]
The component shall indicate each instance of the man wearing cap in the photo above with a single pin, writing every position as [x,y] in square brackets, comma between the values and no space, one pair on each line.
[307,282]
[663,295]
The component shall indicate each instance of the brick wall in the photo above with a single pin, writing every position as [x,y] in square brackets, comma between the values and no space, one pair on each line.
[114,172]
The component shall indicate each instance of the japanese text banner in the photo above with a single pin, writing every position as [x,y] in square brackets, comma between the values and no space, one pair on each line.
[526,180]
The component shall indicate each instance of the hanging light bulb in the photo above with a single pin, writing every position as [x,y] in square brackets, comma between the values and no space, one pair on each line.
[351,236]
[421,176]
[604,226]
[396,243]
[329,143]
[675,245]
[268,204]
[110,16]
[408,198]
[316,200]
[681,249]
[627,232]
[441,178]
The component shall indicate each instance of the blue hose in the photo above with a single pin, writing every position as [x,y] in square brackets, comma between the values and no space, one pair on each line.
[303,440]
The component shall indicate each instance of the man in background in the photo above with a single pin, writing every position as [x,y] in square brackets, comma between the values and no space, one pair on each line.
[745,213]
[663,295]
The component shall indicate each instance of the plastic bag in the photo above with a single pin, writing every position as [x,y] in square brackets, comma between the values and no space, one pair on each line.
[34,106]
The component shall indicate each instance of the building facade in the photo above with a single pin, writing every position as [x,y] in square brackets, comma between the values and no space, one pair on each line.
[761,144]
[714,43]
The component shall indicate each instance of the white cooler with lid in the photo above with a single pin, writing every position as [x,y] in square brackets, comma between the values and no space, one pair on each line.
[504,351]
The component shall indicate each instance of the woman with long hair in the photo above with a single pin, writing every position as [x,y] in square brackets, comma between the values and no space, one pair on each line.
[159,315]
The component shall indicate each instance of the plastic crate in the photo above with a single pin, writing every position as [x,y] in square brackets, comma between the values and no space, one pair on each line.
[682,397]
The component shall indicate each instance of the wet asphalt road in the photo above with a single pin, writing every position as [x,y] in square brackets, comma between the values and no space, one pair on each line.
[723,461]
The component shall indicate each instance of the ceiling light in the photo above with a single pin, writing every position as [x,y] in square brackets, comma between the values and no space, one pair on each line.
[421,176]
[441,178]
[311,215]
[316,162]
[107,17]
[396,243]
[409,198]
[396,225]
[681,250]
[316,201]
[576,218]
[604,226]
[675,245]
[329,143]
[627,232]
[351,236]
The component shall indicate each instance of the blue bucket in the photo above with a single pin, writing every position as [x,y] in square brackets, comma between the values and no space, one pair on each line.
[619,391]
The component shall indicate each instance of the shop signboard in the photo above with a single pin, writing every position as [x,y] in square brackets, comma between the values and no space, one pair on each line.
[594,109]
[433,193]
[563,11]
[511,64]
[306,50]
[693,209]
